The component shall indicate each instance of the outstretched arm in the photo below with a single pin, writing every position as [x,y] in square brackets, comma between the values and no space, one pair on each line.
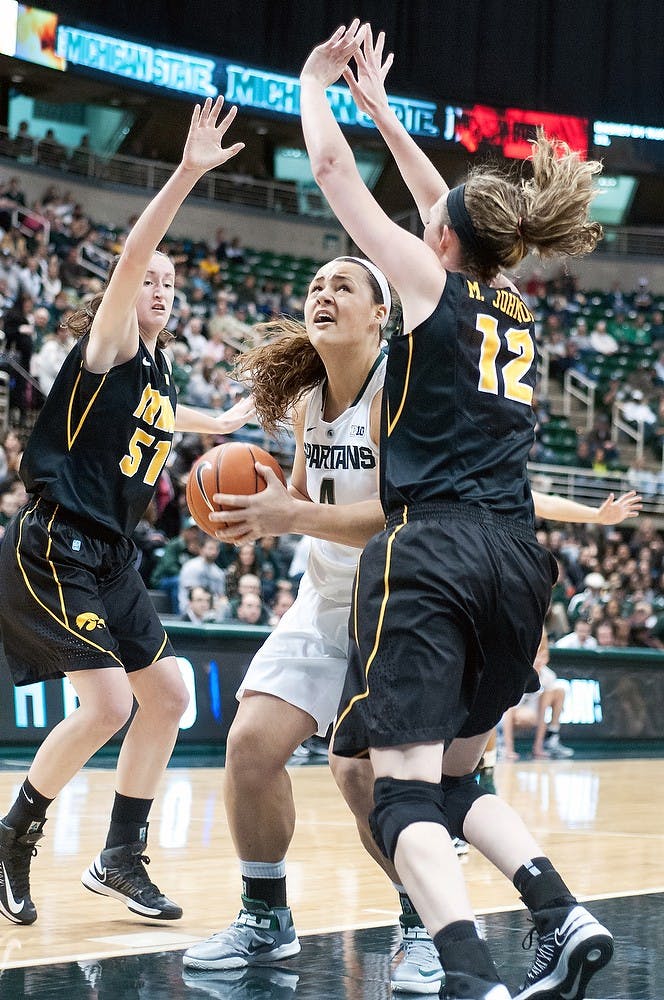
[114,333]
[368,89]
[555,508]
[192,421]
[411,266]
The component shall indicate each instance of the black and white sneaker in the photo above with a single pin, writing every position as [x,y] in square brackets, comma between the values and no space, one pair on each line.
[16,853]
[120,872]
[462,986]
[568,955]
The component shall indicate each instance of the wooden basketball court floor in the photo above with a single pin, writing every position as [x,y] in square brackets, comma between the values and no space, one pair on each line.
[600,820]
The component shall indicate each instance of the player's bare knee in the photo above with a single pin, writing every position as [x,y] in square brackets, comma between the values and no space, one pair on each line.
[398,805]
[111,713]
[356,783]
[459,796]
[250,756]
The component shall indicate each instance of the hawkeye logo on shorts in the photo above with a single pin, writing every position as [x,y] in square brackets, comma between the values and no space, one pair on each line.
[89,621]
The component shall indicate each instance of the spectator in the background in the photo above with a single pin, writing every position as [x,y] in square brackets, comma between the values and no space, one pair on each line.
[580,638]
[657,328]
[642,625]
[235,250]
[605,635]
[202,571]
[531,712]
[19,338]
[584,454]
[291,304]
[637,410]
[166,574]
[71,272]
[50,152]
[12,196]
[247,295]
[43,327]
[203,383]
[24,143]
[198,608]
[51,281]
[195,336]
[283,600]
[31,279]
[251,610]
[642,296]
[601,341]
[80,159]
[246,561]
[48,360]
[9,274]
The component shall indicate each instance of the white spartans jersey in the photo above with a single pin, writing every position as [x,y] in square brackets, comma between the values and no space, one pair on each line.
[341,467]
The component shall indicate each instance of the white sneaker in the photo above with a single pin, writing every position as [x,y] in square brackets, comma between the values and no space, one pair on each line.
[259,936]
[460,846]
[419,970]
[555,749]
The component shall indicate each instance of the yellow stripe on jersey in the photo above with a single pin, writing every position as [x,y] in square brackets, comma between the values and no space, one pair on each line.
[381,617]
[391,424]
[71,438]
[160,650]
[64,624]
[53,569]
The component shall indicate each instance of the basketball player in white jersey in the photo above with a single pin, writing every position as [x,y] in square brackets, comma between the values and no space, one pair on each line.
[330,374]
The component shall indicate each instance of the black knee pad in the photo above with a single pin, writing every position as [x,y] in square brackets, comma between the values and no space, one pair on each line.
[458,796]
[399,803]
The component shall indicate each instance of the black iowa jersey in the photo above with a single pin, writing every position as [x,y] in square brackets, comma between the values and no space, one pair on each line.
[101,441]
[457,419]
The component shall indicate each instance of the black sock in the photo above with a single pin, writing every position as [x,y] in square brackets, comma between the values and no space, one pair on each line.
[409,915]
[271,891]
[461,949]
[30,807]
[541,887]
[129,821]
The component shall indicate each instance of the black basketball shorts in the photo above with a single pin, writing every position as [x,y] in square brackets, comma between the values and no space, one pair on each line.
[70,601]
[447,614]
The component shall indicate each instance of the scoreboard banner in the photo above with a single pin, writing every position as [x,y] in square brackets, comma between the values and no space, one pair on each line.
[611,694]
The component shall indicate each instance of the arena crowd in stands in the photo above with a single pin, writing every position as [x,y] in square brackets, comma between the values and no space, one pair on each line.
[610,589]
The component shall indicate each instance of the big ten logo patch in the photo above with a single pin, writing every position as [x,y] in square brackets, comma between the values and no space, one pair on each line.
[357,430]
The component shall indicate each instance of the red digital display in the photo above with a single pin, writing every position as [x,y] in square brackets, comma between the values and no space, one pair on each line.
[513,129]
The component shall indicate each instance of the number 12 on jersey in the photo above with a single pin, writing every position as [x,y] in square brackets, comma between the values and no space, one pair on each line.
[519,343]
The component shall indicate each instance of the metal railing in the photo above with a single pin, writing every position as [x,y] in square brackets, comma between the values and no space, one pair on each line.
[631,429]
[251,192]
[586,486]
[579,387]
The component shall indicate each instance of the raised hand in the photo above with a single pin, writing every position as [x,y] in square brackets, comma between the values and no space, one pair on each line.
[328,60]
[614,511]
[237,416]
[368,86]
[203,149]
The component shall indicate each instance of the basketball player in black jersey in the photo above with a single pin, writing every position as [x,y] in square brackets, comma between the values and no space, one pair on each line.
[71,601]
[450,599]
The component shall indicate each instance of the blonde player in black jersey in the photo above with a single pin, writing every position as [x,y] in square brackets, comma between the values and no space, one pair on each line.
[71,601]
[293,685]
[450,599]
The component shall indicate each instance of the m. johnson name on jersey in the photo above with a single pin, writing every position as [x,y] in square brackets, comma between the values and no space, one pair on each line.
[339,456]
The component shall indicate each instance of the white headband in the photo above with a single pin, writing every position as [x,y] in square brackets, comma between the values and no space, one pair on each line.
[382,284]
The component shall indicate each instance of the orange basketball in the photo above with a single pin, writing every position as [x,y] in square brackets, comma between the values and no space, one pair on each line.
[227,468]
